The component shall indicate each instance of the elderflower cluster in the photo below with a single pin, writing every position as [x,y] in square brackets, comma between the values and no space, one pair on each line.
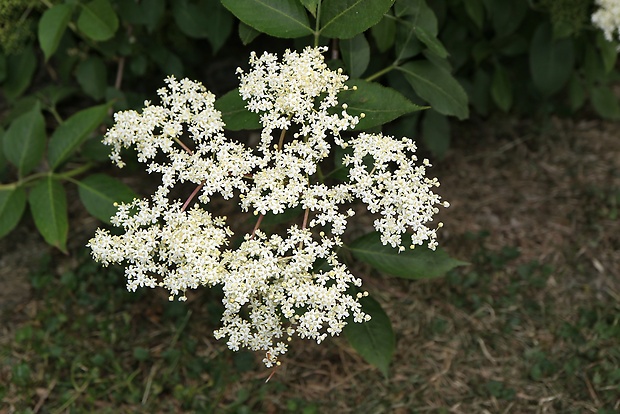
[290,282]
[607,18]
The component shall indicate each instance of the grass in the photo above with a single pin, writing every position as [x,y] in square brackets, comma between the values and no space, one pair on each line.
[484,339]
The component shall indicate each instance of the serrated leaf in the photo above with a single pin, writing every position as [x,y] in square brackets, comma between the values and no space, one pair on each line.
[97,20]
[379,104]
[68,136]
[436,133]
[551,61]
[99,192]
[373,340]
[12,205]
[418,263]
[20,69]
[501,88]
[24,141]
[52,26]
[438,87]
[92,77]
[343,19]
[355,54]
[234,113]
[278,18]
[48,204]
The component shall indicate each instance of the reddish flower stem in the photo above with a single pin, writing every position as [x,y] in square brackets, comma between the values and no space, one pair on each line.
[192,195]
[257,225]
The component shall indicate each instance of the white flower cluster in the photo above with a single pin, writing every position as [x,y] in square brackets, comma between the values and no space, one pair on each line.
[607,18]
[275,285]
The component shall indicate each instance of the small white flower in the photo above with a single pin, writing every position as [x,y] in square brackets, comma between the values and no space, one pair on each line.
[607,18]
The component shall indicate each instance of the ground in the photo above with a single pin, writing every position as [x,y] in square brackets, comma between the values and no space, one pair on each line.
[531,326]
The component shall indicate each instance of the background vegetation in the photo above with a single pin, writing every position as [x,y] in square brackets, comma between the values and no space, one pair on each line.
[499,335]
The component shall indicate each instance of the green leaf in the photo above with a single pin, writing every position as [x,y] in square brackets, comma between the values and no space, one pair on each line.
[501,88]
[99,192]
[219,24]
[506,15]
[52,26]
[343,19]
[48,204]
[608,51]
[407,44]
[142,12]
[311,6]
[379,104]
[384,33]
[52,94]
[475,11]
[438,87]
[203,19]
[419,263]
[191,18]
[373,340]
[605,102]
[278,18]
[167,61]
[153,11]
[422,22]
[247,33]
[12,205]
[24,141]
[436,133]
[91,74]
[20,69]
[430,41]
[355,54]
[551,62]
[97,20]
[234,113]
[69,135]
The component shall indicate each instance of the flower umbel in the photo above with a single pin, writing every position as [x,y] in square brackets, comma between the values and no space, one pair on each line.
[289,282]
[607,18]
